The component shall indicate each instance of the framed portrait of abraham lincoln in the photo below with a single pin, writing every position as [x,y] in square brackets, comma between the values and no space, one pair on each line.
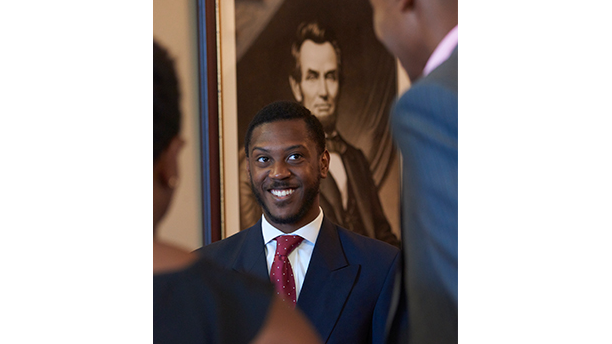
[323,54]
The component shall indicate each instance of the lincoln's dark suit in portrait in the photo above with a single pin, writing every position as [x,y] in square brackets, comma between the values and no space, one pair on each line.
[364,213]
[347,289]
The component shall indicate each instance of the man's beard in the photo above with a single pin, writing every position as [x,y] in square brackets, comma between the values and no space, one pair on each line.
[310,194]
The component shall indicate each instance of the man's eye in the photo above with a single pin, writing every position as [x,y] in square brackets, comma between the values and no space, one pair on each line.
[332,77]
[262,159]
[311,76]
[294,157]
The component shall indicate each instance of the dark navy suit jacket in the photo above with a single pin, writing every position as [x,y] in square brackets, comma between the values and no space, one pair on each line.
[348,286]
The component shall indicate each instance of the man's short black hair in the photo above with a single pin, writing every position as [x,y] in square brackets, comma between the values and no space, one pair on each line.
[166,111]
[287,110]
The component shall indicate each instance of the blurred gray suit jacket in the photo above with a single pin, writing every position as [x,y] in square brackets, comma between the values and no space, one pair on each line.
[424,124]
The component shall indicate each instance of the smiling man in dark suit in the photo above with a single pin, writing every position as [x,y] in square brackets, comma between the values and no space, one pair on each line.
[341,280]
[349,195]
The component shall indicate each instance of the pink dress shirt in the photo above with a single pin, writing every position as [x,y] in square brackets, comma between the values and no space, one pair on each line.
[443,50]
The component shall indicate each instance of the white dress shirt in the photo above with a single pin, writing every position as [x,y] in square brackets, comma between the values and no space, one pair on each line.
[300,257]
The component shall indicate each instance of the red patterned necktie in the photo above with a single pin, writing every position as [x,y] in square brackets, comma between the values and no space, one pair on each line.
[281,274]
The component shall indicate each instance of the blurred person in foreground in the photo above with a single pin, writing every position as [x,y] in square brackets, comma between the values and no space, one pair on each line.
[195,301]
[423,34]
[341,280]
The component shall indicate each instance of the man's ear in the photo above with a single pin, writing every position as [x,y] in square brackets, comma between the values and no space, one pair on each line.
[248,167]
[324,162]
[169,162]
[296,89]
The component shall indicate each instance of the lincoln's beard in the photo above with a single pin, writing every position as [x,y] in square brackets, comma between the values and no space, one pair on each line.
[328,122]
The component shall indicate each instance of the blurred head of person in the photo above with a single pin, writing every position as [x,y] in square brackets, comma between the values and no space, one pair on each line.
[412,29]
[166,127]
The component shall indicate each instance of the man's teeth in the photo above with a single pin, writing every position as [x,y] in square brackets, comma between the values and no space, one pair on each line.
[282,193]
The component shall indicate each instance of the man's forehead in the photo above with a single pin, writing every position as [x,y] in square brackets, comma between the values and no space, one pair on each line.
[283,135]
[272,147]
[317,54]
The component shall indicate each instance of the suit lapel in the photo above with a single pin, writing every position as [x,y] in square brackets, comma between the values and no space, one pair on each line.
[251,256]
[328,282]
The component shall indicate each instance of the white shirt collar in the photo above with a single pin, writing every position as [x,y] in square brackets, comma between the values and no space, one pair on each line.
[309,232]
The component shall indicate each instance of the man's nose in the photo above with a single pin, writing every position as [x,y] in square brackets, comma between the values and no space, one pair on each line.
[322,88]
[279,171]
